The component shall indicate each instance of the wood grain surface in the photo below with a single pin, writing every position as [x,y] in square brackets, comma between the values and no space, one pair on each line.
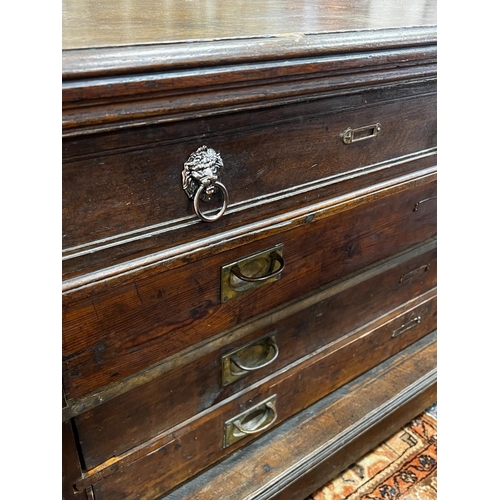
[140,414]
[172,457]
[94,23]
[110,335]
[297,456]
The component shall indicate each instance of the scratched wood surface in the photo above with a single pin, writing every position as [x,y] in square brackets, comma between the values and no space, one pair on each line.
[192,447]
[94,23]
[115,427]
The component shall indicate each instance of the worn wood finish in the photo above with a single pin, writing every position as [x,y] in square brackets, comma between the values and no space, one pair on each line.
[124,195]
[131,326]
[138,415]
[91,24]
[128,251]
[75,407]
[71,470]
[314,477]
[272,87]
[193,446]
[98,114]
[298,456]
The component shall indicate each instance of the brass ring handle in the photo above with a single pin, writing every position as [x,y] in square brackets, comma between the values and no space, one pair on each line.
[265,415]
[196,202]
[236,360]
[275,256]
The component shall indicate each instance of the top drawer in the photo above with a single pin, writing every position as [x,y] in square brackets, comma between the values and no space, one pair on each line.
[123,194]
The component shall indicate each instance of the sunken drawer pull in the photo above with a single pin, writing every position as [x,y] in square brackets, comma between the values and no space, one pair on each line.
[352,135]
[407,326]
[200,181]
[248,358]
[270,272]
[251,272]
[253,421]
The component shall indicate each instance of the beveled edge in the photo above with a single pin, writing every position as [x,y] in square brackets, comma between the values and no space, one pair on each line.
[110,61]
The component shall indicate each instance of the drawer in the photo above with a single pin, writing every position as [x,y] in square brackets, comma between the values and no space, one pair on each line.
[118,326]
[304,326]
[158,466]
[129,200]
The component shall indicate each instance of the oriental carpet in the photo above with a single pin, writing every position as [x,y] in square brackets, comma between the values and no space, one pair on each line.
[404,467]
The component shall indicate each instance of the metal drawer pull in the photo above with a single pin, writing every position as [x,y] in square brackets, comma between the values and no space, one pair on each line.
[275,256]
[272,345]
[363,133]
[408,326]
[253,421]
[248,358]
[200,181]
[251,272]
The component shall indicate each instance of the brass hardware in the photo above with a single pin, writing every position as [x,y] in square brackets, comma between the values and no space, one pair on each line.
[408,326]
[348,136]
[251,272]
[252,421]
[248,358]
[200,181]
[415,208]
[414,273]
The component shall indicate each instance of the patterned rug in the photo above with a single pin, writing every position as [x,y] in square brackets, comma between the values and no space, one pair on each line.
[404,467]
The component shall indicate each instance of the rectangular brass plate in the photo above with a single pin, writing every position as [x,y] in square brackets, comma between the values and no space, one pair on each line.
[227,288]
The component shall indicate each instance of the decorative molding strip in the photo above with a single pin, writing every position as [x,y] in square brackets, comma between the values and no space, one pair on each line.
[107,61]
[264,227]
[173,225]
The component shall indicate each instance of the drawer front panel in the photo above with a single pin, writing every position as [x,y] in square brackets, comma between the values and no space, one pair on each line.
[140,414]
[114,333]
[116,193]
[160,466]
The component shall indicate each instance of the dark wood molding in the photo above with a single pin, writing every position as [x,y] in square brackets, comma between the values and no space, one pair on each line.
[108,61]
[183,254]
[119,97]
[353,417]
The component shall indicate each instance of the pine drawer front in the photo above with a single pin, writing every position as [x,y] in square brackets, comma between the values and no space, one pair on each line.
[129,200]
[159,465]
[118,326]
[296,330]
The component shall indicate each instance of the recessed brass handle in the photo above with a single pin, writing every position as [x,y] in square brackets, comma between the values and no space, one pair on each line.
[352,135]
[249,358]
[259,421]
[251,272]
[253,421]
[200,181]
[275,256]
[272,344]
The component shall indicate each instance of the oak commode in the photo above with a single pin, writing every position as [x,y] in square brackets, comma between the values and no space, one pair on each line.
[249,242]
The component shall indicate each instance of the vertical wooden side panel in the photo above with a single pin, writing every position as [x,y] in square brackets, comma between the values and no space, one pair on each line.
[71,470]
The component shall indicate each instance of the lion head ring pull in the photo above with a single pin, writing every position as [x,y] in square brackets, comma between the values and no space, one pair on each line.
[200,181]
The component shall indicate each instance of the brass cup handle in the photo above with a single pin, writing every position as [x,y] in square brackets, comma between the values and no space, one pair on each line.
[236,360]
[257,425]
[196,202]
[275,256]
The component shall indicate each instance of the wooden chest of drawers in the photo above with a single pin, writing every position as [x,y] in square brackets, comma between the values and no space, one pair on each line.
[249,242]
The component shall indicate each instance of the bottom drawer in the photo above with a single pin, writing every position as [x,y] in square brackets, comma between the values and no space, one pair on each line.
[157,466]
